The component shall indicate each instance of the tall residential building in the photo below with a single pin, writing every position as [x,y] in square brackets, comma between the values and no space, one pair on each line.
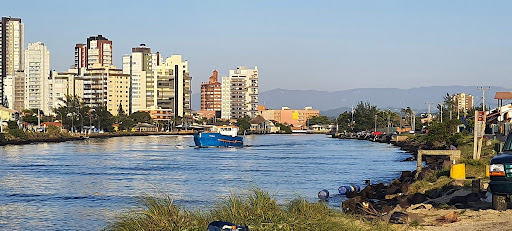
[240,93]
[80,58]
[171,87]
[463,101]
[37,74]
[11,58]
[139,65]
[65,83]
[106,86]
[211,94]
[99,51]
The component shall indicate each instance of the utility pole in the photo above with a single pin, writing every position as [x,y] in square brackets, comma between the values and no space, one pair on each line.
[429,104]
[483,95]
[389,114]
[352,122]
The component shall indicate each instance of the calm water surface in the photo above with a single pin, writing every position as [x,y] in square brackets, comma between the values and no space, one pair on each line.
[81,185]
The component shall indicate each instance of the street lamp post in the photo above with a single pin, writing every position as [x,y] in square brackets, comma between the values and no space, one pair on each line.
[375,123]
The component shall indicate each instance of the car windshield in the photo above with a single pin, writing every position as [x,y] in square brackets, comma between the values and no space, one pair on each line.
[508,143]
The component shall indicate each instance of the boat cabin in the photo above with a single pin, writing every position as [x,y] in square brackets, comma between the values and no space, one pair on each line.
[227,130]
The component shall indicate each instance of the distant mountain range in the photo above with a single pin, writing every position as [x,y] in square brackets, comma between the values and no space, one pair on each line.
[334,103]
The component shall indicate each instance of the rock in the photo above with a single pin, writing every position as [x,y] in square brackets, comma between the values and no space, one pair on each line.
[457,183]
[473,197]
[398,218]
[392,190]
[392,196]
[449,218]
[405,187]
[396,182]
[351,194]
[419,207]
[349,206]
[425,173]
[404,202]
[417,198]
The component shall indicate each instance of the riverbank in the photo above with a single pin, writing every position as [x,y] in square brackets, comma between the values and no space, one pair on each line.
[64,137]
[430,198]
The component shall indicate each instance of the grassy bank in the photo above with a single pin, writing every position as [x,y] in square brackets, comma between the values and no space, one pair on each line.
[254,208]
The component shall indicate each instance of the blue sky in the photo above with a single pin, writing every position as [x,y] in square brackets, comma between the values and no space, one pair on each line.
[321,45]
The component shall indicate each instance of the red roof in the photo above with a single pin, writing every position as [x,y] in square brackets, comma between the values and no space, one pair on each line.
[58,124]
[503,95]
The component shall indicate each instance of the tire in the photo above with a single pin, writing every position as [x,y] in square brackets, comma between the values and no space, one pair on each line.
[499,202]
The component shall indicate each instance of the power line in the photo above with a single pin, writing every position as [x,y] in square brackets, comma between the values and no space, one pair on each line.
[483,95]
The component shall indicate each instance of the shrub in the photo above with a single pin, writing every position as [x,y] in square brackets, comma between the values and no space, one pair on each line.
[18,133]
[256,208]
[53,130]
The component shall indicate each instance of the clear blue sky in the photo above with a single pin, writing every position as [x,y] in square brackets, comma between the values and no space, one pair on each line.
[321,45]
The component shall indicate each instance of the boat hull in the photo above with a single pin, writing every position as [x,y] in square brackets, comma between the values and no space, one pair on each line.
[206,139]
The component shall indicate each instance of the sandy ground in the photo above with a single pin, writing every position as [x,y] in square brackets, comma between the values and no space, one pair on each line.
[487,219]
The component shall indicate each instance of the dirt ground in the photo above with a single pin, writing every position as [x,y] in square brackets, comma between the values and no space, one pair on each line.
[487,219]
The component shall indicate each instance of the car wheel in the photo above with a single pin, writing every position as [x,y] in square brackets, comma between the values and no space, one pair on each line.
[499,202]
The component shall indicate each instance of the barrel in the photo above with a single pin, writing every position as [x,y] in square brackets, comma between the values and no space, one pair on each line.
[323,195]
[344,189]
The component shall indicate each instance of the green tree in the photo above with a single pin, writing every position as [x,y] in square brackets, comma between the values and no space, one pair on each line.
[141,117]
[321,119]
[344,121]
[364,116]
[243,124]
[104,118]
[12,125]
[120,111]
[284,128]
[72,113]
[30,118]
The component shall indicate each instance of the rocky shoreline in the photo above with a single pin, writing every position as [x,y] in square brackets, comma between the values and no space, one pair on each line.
[65,138]
[396,203]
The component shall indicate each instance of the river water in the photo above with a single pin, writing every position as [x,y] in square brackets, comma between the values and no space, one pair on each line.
[81,185]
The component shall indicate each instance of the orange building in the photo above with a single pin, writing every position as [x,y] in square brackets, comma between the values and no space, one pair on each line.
[211,95]
[288,116]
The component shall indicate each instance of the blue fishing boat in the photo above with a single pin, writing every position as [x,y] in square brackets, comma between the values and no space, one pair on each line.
[219,136]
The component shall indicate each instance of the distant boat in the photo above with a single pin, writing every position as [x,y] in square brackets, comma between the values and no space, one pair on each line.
[219,136]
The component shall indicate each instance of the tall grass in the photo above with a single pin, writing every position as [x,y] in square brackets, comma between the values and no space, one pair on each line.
[255,208]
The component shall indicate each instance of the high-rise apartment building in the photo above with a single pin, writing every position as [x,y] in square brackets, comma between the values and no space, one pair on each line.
[106,86]
[11,58]
[240,93]
[463,101]
[139,65]
[37,74]
[63,84]
[99,50]
[171,87]
[211,96]
[80,57]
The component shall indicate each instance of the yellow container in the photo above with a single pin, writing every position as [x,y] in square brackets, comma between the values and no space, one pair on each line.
[458,172]
[487,170]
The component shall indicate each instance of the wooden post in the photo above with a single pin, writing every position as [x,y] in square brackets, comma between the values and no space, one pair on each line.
[475,137]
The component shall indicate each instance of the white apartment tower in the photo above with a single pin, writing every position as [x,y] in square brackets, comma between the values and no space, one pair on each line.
[11,59]
[37,74]
[139,65]
[240,93]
